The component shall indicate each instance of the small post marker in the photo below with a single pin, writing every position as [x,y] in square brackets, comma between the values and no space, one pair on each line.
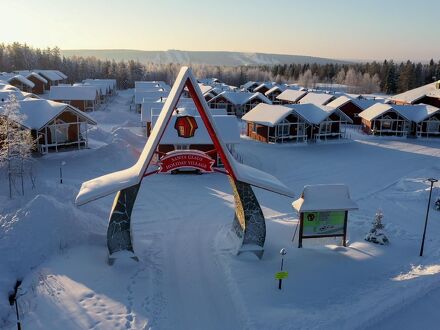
[432,180]
[13,301]
[280,275]
[61,170]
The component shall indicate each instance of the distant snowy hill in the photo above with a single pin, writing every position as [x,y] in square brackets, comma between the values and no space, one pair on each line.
[198,57]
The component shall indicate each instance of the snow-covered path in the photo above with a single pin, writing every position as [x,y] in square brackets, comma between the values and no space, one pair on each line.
[193,283]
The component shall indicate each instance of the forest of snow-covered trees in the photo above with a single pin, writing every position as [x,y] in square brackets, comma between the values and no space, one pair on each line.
[388,77]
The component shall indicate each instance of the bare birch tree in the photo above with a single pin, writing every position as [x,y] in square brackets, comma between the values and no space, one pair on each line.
[16,143]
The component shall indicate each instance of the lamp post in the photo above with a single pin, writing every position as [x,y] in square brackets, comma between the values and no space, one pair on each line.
[432,180]
[61,170]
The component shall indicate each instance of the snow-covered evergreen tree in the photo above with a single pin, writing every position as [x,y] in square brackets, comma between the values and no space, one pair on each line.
[376,234]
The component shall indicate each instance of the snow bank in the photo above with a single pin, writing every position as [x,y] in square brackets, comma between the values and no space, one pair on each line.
[43,227]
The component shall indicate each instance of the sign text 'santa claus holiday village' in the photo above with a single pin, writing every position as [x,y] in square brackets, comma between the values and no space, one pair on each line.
[186,159]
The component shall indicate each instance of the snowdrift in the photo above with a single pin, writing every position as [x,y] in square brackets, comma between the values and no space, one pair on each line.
[43,227]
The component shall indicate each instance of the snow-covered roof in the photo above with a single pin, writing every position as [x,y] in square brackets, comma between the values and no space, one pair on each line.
[52,75]
[268,85]
[240,98]
[375,111]
[61,74]
[5,93]
[325,197]
[71,93]
[150,95]
[6,86]
[38,112]
[267,114]
[415,94]
[274,89]
[110,83]
[205,88]
[37,76]
[151,85]
[249,84]
[5,76]
[316,98]
[102,88]
[417,112]
[30,95]
[316,114]
[291,95]
[208,81]
[227,127]
[360,103]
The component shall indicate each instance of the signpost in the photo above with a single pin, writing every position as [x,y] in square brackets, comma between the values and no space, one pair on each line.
[281,275]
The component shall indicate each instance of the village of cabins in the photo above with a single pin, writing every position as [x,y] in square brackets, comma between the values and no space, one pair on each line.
[58,113]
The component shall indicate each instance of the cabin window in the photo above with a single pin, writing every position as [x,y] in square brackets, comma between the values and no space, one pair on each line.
[386,122]
[181,146]
[283,128]
[433,125]
[326,127]
[59,131]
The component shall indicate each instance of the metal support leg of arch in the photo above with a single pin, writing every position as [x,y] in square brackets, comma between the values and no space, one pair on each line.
[249,224]
[119,228]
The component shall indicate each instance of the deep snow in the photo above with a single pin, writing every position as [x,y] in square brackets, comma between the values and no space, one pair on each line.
[187,277]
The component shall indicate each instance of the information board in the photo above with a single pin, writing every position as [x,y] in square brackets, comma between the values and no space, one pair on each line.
[330,223]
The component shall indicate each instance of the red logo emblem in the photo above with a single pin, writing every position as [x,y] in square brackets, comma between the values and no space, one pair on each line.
[186,126]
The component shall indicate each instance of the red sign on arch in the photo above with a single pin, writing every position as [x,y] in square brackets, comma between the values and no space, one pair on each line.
[180,159]
[186,126]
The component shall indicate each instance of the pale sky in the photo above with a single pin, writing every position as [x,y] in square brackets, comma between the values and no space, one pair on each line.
[347,29]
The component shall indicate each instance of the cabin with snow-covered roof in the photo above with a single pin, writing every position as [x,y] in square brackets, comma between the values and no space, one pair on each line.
[294,123]
[275,124]
[352,107]
[53,77]
[39,82]
[237,103]
[53,125]
[401,120]
[427,94]
[20,82]
[85,98]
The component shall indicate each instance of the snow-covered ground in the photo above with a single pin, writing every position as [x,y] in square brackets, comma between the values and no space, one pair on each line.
[188,277]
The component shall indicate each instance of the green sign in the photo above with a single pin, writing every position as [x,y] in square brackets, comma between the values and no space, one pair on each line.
[323,223]
[281,275]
